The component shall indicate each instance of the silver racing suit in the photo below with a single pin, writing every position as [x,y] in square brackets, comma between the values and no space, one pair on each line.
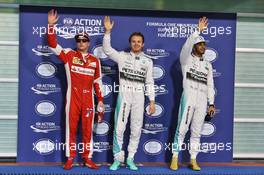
[135,79]
[198,91]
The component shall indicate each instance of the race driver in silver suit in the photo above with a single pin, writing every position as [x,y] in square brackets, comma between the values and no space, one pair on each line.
[135,78]
[198,93]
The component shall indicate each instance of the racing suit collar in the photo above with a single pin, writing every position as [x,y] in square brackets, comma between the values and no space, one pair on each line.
[196,57]
[136,55]
[83,56]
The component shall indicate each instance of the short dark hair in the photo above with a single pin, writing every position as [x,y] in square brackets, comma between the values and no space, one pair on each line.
[136,34]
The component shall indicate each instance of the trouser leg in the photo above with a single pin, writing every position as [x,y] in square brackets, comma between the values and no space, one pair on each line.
[72,119]
[121,116]
[196,127]
[87,127]
[184,118]
[136,122]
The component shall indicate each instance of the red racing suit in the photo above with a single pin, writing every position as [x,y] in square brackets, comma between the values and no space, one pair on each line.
[83,76]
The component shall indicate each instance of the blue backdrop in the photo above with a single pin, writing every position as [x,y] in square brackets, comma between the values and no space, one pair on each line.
[42,81]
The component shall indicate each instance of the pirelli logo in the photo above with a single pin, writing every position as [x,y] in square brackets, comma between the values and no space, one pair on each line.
[82,70]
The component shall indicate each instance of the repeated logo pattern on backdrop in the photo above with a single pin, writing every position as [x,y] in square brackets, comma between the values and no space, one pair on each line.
[42,81]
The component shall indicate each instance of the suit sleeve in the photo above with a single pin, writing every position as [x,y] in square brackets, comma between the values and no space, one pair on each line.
[210,86]
[150,82]
[187,48]
[54,46]
[109,51]
[98,81]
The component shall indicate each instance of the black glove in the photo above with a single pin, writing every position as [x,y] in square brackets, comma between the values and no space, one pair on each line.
[208,117]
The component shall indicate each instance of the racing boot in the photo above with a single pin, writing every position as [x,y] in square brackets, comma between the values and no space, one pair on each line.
[115,166]
[174,163]
[68,165]
[131,165]
[90,164]
[194,166]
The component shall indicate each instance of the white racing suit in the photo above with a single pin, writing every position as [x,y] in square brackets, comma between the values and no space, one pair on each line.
[198,89]
[135,78]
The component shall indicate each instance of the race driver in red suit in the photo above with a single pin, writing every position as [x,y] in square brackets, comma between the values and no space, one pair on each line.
[83,72]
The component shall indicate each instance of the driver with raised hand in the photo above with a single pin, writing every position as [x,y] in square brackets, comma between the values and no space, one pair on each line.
[198,93]
[83,72]
[135,78]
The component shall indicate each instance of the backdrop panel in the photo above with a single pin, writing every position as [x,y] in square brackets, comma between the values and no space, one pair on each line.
[42,81]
